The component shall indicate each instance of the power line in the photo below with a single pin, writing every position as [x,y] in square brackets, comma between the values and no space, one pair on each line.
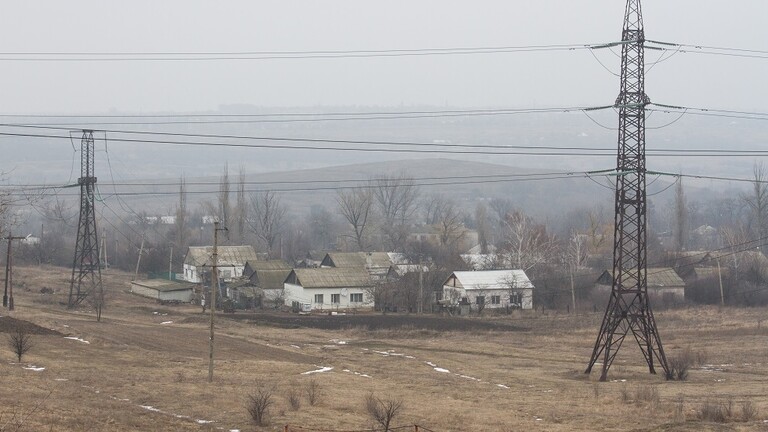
[302,117]
[386,146]
[275,55]
[709,50]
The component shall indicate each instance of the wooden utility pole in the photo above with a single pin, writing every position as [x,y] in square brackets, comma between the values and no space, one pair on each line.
[170,265]
[720,277]
[8,293]
[214,288]
[138,261]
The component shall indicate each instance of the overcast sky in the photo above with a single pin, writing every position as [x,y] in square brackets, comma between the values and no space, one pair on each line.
[519,79]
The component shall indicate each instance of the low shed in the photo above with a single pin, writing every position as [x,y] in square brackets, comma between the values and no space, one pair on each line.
[164,290]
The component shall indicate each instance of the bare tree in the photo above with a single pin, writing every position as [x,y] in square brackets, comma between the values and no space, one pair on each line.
[181,215]
[481,223]
[757,201]
[355,205]
[383,411]
[20,342]
[451,225]
[396,198]
[267,218]
[681,217]
[241,209]
[528,244]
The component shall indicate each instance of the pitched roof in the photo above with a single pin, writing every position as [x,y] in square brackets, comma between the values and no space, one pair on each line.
[658,277]
[227,255]
[163,285]
[663,277]
[491,279]
[358,259]
[333,277]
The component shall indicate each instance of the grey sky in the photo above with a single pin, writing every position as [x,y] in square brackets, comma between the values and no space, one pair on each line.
[543,79]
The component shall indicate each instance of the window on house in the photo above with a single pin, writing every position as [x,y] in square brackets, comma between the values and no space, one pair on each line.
[515,299]
[335,298]
[480,300]
[226,274]
[356,298]
[319,298]
[495,299]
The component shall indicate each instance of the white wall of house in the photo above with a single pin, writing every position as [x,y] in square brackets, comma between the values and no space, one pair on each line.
[522,296]
[192,273]
[332,298]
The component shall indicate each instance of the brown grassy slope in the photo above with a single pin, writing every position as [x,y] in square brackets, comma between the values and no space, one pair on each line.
[497,380]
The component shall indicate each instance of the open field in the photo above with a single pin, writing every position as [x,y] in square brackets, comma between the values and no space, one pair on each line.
[144,367]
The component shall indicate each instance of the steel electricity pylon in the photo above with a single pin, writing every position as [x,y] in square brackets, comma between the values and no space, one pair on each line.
[629,310]
[86,268]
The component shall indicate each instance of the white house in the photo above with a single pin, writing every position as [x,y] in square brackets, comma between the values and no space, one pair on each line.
[489,288]
[163,290]
[328,288]
[231,261]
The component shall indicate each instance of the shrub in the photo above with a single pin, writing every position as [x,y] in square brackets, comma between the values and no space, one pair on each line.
[383,411]
[258,404]
[679,366]
[748,411]
[712,412]
[313,392]
[646,393]
[20,342]
[293,399]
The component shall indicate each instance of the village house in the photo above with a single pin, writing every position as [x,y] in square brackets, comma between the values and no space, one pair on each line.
[262,282]
[377,264]
[664,285]
[328,289]
[231,261]
[164,290]
[489,289]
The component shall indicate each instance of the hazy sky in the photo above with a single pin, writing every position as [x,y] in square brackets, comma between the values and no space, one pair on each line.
[522,80]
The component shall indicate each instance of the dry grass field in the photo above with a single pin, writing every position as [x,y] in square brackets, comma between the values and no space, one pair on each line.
[144,367]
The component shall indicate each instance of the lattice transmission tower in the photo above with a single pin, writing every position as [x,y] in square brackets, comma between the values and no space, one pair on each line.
[86,268]
[629,310]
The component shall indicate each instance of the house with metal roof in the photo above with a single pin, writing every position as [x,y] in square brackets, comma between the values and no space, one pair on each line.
[664,284]
[489,289]
[164,290]
[328,288]
[376,263]
[262,283]
[231,261]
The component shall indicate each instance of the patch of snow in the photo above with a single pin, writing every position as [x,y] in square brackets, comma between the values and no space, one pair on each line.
[502,386]
[295,346]
[66,326]
[410,357]
[430,364]
[167,322]
[199,421]
[469,377]
[321,370]
[150,408]
[34,368]
[439,369]
[60,379]
[155,313]
[76,339]
[338,342]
